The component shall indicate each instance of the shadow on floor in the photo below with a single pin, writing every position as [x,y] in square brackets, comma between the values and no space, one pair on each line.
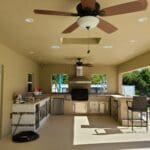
[101,122]
[106,123]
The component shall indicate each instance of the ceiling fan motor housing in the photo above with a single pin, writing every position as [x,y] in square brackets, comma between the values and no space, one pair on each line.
[87,11]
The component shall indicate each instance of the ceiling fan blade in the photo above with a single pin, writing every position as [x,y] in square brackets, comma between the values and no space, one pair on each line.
[129,7]
[88,4]
[71,28]
[51,12]
[87,65]
[106,26]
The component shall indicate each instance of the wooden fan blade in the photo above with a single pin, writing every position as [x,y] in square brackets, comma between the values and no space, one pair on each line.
[71,28]
[51,12]
[129,7]
[87,65]
[88,4]
[106,26]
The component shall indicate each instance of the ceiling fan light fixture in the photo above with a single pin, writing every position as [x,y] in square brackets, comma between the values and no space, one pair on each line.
[88,22]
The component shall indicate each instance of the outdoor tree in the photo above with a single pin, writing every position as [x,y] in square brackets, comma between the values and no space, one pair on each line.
[98,78]
[141,80]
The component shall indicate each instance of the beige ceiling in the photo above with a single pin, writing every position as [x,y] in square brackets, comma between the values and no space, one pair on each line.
[45,31]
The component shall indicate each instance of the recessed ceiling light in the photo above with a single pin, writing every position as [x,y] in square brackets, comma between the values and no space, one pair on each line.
[55,46]
[29,20]
[107,46]
[132,41]
[142,19]
[31,52]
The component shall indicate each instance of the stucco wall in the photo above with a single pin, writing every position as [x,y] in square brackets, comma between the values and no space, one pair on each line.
[110,71]
[16,68]
[135,63]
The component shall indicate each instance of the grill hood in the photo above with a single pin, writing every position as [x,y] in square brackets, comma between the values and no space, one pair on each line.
[80,79]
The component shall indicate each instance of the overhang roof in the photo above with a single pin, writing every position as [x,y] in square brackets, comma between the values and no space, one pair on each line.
[35,39]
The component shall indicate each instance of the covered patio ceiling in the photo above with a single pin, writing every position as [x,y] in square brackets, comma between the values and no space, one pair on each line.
[36,39]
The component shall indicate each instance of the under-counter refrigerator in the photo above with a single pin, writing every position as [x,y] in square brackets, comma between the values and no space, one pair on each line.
[57,106]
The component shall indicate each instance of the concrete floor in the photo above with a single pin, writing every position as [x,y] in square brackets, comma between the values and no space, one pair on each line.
[83,133]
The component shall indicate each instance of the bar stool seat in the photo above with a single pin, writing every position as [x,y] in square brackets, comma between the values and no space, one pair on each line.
[139,104]
[148,107]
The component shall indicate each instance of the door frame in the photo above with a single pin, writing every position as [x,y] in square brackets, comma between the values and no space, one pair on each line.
[1,98]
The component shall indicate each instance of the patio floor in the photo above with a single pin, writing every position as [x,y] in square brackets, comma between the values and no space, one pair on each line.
[83,133]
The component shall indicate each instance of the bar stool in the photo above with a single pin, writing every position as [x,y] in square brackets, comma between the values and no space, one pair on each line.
[139,104]
[148,107]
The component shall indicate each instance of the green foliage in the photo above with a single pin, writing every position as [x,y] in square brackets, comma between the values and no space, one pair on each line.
[98,78]
[65,78]
[141,80]
[54,78]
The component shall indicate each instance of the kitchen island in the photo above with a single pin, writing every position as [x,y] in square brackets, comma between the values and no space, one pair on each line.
[100,104]
[119,111]
[30,115]
[96,104]
[119,108]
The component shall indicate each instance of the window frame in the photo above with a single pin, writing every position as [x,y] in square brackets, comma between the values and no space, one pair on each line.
[97,89]
[51,82]
[30,82]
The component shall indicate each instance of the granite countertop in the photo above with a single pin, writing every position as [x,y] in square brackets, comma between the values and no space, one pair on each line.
[122,96]
[90,94]
[67,97]
[34,100]
[101,94]
[42,96]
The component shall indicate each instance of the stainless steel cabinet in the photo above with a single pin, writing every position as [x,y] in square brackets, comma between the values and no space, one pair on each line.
[57,106]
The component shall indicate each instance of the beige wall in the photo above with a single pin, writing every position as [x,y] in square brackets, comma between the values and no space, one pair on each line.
[1,78]
[46,70]
[16,68]
[135,63]
[110,71]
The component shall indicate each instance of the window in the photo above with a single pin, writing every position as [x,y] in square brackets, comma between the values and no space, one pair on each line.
[29,82]
[99,83]
[59,83]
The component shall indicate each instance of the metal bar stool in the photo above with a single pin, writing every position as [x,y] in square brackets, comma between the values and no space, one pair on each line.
[148,106]
[139,104]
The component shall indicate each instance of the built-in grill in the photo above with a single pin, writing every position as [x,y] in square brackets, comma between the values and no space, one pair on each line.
[79,85]
[79,94]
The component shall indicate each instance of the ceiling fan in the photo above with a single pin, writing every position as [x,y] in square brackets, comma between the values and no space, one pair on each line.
[88,10]
[80,63]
